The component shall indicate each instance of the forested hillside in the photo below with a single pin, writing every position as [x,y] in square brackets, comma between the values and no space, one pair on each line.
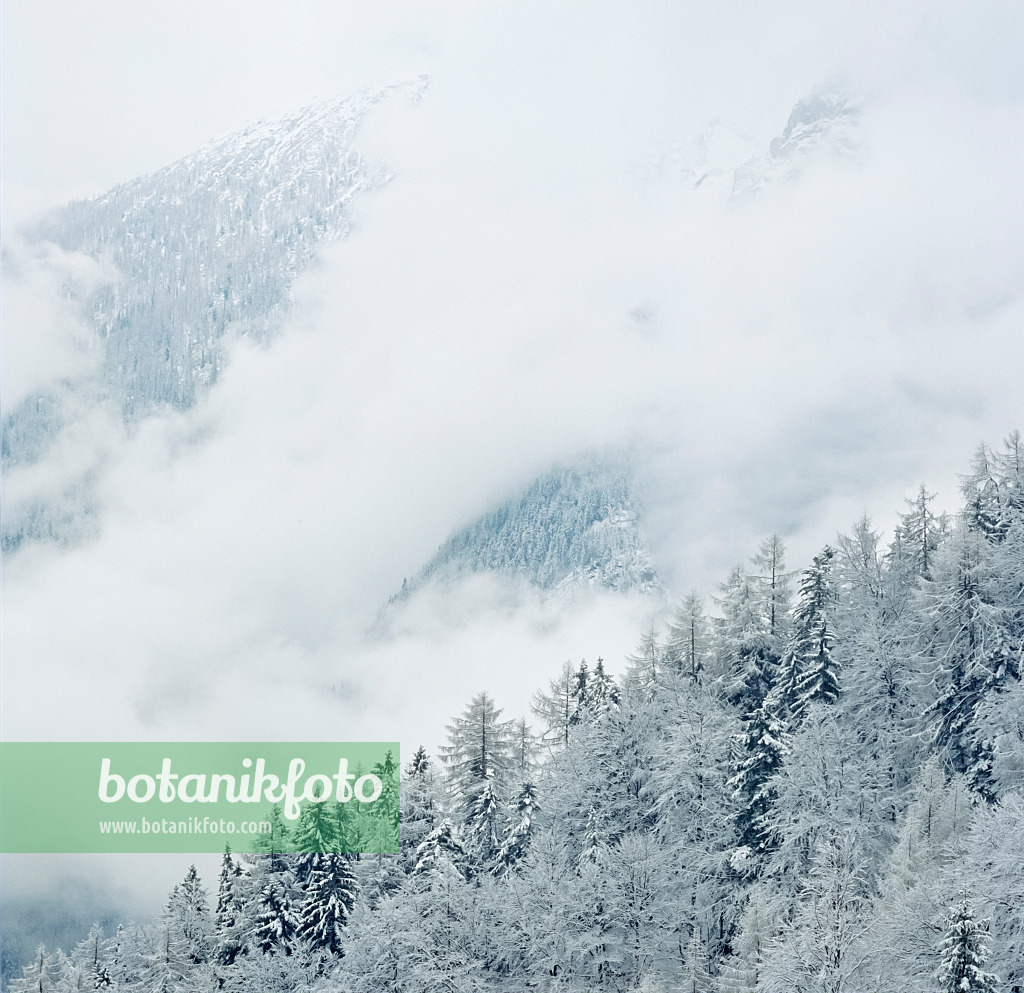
[814,783]
[575,527]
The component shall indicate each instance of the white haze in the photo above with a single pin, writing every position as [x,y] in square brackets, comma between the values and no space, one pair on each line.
[528,289]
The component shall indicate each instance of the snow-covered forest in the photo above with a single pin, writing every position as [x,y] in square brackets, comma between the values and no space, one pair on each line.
[811,781]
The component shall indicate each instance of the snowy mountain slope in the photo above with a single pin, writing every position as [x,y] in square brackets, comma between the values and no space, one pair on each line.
[824,123]
[725,162]
[205,248]
[577,527]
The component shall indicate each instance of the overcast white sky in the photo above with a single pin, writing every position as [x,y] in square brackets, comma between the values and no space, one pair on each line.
[807,355]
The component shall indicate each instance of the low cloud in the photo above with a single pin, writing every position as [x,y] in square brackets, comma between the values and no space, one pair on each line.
[48,341]
[525,291]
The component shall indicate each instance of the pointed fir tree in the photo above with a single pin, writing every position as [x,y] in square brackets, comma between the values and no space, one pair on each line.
[483,821]
[420,762]
[817,679]
[747,655]
[596,693]
[228,914]
[318,832]
[330,895]
[440,849]
[385,811]
[964,953]
[763,745]
[517,839]
[189,914]
[420,806]
[273,911]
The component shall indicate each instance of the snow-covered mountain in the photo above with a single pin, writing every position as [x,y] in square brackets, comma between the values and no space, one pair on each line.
[723,161]
[824,123]
[209,247]
[578,527]
[205,249]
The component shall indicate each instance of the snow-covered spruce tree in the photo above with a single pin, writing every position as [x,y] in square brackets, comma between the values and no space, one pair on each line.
[517,839]
[321,829]
[964,953]
[817,678]
[228,914]
[272,911]
[484,822]
[191,916]
[990,858]
[439,848]
[382,831]
[330,895]
[762,746]
[421,805]
[874,650]
[745,653]
[596,693]
[969,642]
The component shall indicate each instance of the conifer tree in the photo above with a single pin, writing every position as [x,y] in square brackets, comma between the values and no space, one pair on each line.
[557,706]
[920,533]
[330,895]
[645,666]
[483,821]
[189,915]
[817,678]
[747,654]
[479,748]
[689,637]
[770,563]
[964,953]
[273,910]
[228,914]
[517,839]
[439,849]
[762,749]
[420,806]
[419,763]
